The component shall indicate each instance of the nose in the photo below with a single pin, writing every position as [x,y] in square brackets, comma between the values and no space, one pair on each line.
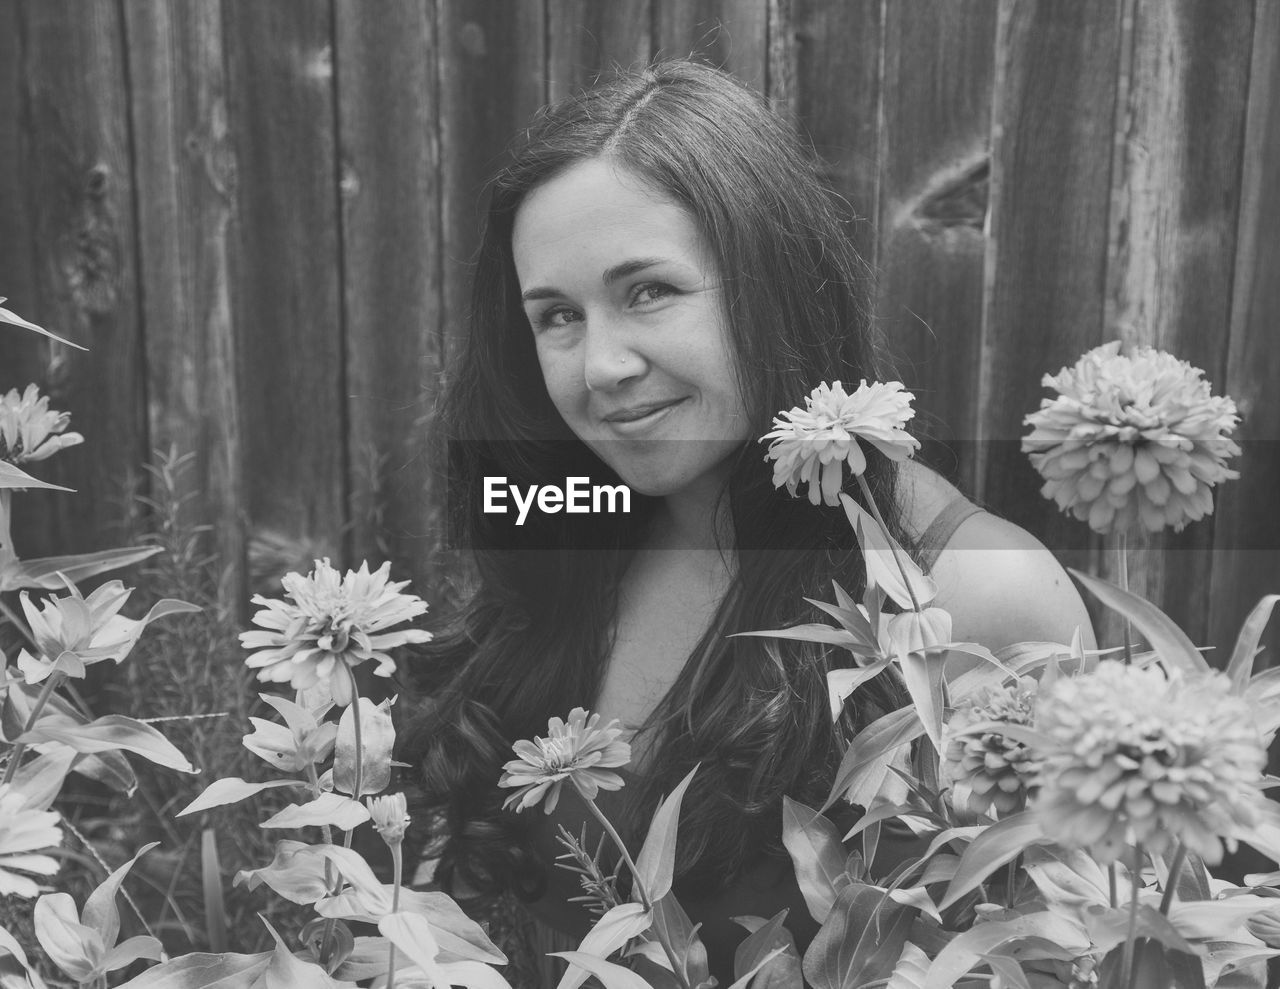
[609,360]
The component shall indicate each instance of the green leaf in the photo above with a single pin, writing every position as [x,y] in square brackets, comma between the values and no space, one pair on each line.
[70,945]
[745,980]
[100,911]
[1169,642]
[911,633]
[12,477]
[1240,668]
[655,864]
[882,568]
[1109,926]
[910,970]
[377,738]
[296,872]
[43,573]
[996,846]
[287,971]
[13,319]
[861,940]
[881,736]
[231,790]
[765,937]
[328,808]
[618,926]
[200,970]
[610,975]
[817,856]
[113,731]
[823,634]
[673,926]
[966,950]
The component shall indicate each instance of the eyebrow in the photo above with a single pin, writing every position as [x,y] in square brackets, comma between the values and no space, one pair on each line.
[611,275]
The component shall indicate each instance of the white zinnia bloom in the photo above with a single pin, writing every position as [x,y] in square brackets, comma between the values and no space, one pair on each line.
[326,620]
[810,444]
[1131,438]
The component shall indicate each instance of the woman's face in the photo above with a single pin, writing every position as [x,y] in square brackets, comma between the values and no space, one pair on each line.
[628,317]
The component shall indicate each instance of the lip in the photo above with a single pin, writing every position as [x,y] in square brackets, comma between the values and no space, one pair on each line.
[635,418]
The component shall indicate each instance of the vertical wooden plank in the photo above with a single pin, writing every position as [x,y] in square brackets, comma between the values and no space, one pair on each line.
[1247,534]
[493,73]
[731,34]
[586,39]
[1175,197]
[286,290]
[79,186]
[184,161]
[938,73]
[836,94]
[1046,253]
[391,248]
[23,355]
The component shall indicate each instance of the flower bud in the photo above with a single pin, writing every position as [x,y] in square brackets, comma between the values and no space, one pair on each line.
[390,815]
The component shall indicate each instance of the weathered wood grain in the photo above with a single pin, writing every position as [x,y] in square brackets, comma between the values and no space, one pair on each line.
[939,62]
[78,182]
[1175,196]
[184,165]
[493,76]
[388,103]
[286,288]
[836,94]
[23,355]
[732,34]
[1247,533]
[586,40]
[1052,129]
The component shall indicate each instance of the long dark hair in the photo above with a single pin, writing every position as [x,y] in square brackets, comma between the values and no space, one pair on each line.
[532,639]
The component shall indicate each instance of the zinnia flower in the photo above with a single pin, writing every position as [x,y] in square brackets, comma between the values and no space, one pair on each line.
[1134,437]
[390,815]
[580,752]
[325,621]
[29,430]
[989,769]
[24,833]
[810,444]
[1136,756]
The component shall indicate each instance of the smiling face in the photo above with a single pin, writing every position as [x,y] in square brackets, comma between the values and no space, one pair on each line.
[628,318]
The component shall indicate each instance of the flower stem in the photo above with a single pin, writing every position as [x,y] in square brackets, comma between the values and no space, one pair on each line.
[1113,892]
[20,748]
[1122,551]
[645,901]
[1128,971]
[893,546]
[397,867]
[1171,884]
[358,783]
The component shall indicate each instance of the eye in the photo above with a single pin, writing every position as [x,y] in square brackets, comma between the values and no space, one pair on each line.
[555,316]
[651,292]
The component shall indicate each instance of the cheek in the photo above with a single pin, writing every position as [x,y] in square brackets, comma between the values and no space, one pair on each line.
[560,378]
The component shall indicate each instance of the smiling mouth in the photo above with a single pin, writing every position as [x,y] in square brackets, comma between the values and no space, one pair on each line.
[640,412]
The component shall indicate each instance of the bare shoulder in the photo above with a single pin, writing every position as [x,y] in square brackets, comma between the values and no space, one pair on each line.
[1001,585]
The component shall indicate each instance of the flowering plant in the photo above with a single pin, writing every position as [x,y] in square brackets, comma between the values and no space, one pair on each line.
[328,745]
[1055,811]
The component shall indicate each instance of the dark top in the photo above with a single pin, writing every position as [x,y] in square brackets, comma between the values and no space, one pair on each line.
[763,890]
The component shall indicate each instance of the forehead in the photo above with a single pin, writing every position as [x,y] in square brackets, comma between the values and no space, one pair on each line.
[595,214]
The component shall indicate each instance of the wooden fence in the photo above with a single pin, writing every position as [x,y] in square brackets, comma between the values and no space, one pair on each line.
[258,215]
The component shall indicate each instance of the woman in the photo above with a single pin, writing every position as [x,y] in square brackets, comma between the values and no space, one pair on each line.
[660,273]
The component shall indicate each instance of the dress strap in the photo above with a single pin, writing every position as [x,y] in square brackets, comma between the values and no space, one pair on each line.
[935,538]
